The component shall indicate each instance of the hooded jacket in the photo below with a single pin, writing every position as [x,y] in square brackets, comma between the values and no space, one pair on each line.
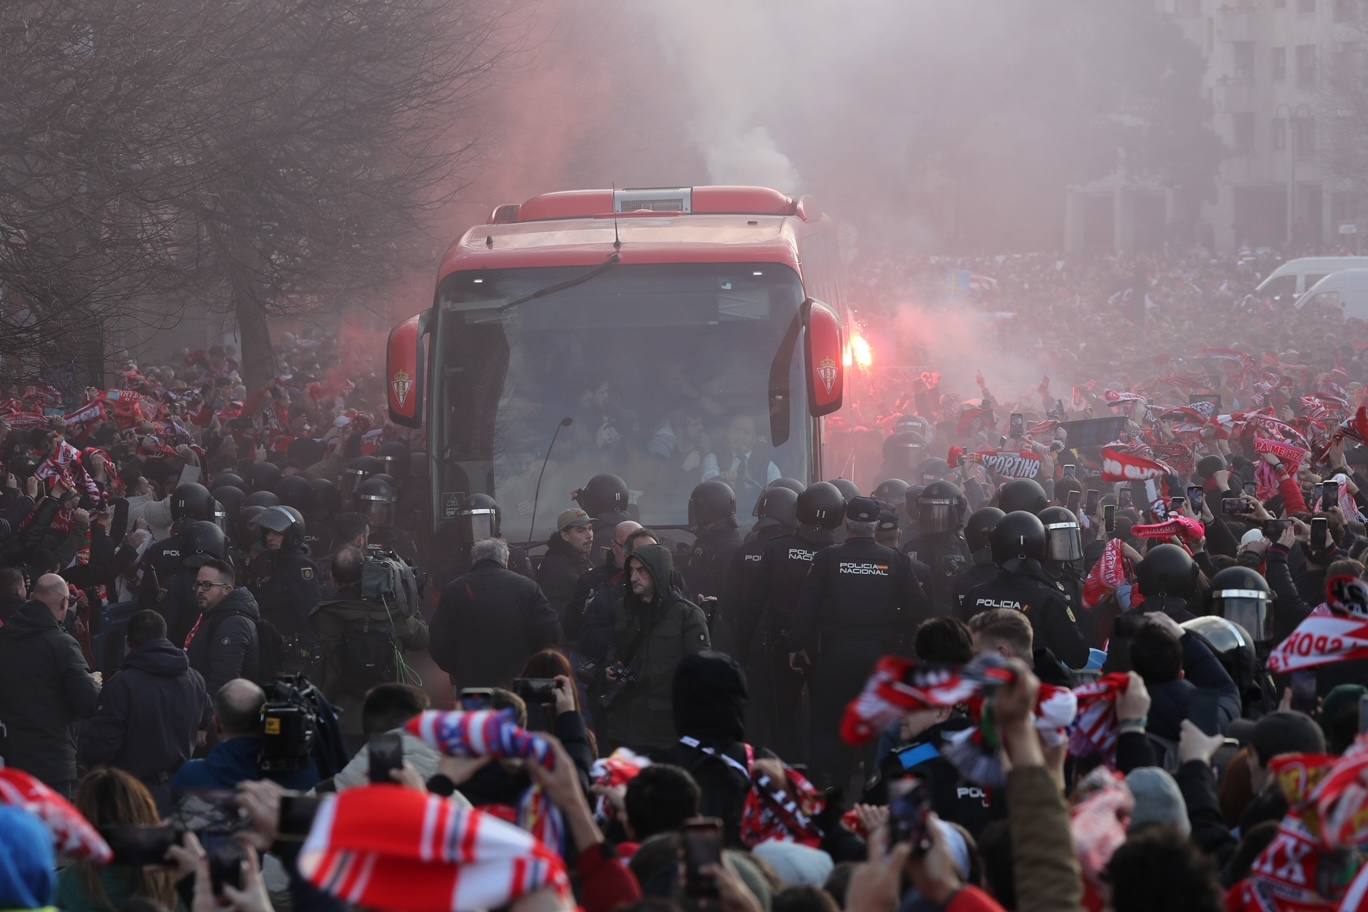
[45,689]
[223,645]
[148,713]
[651,638]
[560,572]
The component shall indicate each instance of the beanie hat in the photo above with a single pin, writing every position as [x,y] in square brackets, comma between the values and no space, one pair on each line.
[1286,732]
[1157,800]
[797,865]
[28,877]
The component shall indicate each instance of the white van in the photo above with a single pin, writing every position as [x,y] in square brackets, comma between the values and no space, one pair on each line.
[1347,288]
[1295,277]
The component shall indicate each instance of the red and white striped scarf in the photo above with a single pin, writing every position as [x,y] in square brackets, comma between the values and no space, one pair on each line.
[901,686]
[387,847]
[494,733]
[772,812]
[975,751]
[1095,729]
[74,836]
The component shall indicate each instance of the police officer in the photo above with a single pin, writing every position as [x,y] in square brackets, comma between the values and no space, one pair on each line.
[1167,577]
[189,503]
[295,491]
[717,536]
[376,499]
[977,531]
[1022,494]
[285,582]
[776,512]
[172,592]
[777,687]
[355,472]
[1063,563]
[605,499]
[903,452]
[939,542]
[859,601]
[263,476]
[1018,545]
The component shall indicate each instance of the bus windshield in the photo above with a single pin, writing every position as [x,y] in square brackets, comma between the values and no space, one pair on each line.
[665,371]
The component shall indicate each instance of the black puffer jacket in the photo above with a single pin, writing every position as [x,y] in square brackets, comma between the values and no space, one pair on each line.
[148,713]
[225,645]
[560,572]
[45,688]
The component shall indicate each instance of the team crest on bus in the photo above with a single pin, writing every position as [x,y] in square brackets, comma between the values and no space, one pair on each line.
[826,372]
[402,383]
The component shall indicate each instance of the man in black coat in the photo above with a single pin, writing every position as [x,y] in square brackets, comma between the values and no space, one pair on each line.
[223,643]
[151,712]
[490,621]
[567,559]
[1184,678]
[45,687]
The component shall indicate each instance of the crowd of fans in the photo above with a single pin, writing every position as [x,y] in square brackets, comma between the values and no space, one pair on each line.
[1096,643]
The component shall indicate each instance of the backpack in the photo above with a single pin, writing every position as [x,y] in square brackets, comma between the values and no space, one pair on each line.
[387,579]
[270,651]
[369,655]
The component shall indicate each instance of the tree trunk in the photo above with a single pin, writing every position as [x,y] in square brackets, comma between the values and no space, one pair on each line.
[258,355]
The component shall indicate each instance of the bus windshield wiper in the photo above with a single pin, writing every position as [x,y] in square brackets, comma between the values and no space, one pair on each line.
[598,270]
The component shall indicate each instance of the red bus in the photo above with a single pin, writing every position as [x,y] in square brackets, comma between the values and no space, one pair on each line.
[672,327]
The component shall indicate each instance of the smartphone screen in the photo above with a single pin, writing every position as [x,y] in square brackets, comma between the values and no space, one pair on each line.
[1329,494]
[1320,533]
[1251,489]
[140,846]
[1016,425]
[702,848]
[1109,519]
[225,860]
[1196,496]
[296,816]
[1233,506]
[1176,505]
[1073,499]
[1124,498]
[1070,471]
[385,754]
[1093,499]
[476,698]
[908,804]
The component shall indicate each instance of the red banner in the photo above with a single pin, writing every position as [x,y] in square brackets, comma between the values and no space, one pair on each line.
[1291,456]
[1321,640]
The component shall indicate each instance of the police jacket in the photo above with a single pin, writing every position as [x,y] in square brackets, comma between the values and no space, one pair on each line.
[1053,622]
[981,571]
[783,568]
[946,555]
[711,558]
[488,622]
[286,587]
[739,595]
[45,689]
[859,590]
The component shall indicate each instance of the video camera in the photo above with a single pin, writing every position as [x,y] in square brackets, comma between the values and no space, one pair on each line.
[289,724]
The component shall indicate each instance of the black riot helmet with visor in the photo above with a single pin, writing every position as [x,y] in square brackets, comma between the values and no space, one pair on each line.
[980,526]
[1241,595]
[356,472]
[822,505]
[940,507]
[1063,535]
[777,505]
[376,498]
[284,521]
[891,491]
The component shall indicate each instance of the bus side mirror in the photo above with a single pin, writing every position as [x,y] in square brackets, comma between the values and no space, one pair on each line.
[825,364]
[406,371]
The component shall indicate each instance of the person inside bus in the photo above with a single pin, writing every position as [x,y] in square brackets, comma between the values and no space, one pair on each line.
[744,463]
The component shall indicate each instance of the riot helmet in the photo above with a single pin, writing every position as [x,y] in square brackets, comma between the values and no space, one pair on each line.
[779,505]
[394,459]
[295,491]
[891,491]
[934,469]
[477,502]
[1063,535]
[248,530]
[323,497]
[1018,536]
[603,494]
[1231,643]
[980,526]
[1166,570]
[283,521]
[231,499]
[1241,595]
[200,541]
[821,505]
[902,451]
[940,508]
[263,476]
[793,484]
[711,502]
[261,499]
[230,478]
[192,501]
[375,499]
[849,489]
[355,472]
[1022,494]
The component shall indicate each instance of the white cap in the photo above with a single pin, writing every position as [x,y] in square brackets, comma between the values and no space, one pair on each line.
[1250,537]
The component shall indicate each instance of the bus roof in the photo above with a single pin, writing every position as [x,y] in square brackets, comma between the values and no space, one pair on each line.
[578,228]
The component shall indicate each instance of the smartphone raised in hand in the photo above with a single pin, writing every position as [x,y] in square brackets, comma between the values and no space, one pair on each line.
[1091,501]
[1320,533]
[1196,496]
[384,753]
[1109,519]
[1329,495]
[476,698]
[141,846]
[1016,425]
[1234,506]
[702,849]
[1073,500]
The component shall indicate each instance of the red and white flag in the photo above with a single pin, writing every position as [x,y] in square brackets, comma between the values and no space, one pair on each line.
[1121,464]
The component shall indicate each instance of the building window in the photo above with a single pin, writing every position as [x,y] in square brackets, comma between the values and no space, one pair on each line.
[1306,66]
[1243,122]
[1279,58]
[1306,7]
[1279,134]
[1344,10]
[1304,135]
[1244,60]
